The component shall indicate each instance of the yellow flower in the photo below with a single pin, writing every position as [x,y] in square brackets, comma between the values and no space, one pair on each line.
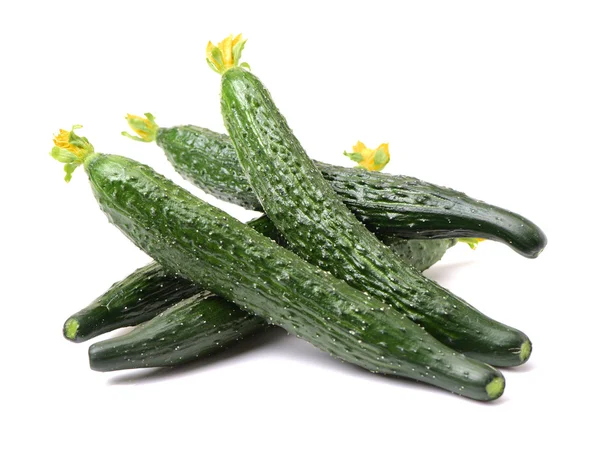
[370,159]
[70,149]
[226,54]
[145,128]
[63,141]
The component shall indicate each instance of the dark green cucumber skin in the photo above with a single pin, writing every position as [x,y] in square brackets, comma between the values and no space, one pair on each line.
[207,159]
[193,328]
[387,204]
[419,253]
[205,323]
[151,289]
[205,245]
[136,299]
[319,227]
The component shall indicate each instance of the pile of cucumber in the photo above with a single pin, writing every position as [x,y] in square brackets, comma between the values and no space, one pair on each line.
[336,259]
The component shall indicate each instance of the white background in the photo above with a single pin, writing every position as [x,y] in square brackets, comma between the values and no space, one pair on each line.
[497,99]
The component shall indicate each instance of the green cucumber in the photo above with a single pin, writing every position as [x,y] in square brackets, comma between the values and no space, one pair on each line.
[151,289]
[193,328]
[204,244]
[419,253]
[319,227]
[391,204]
[136,299]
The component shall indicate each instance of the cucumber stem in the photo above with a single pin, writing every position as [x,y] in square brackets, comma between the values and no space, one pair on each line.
[145,129]
[72,150]
[226,54]
[366,158]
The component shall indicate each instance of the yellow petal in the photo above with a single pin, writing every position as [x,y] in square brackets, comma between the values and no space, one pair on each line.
[140,125]
[237,39]
[226,47]
[359,147]
[368,156]
[385,147]
[209,48]
[62,141]
[225,59]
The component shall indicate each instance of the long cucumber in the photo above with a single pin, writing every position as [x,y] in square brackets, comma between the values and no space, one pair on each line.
[193,328]
[389,204]
[204,244]
[151,289]
[200,325]
[319,227]
[141,296]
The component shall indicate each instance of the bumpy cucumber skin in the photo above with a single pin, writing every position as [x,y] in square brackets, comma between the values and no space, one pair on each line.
[318,226]
[214,250]
[430,211]
[419,253]
[136,299]
[390,204]
[195,327]
[151,289]
[205,323]
[207,159]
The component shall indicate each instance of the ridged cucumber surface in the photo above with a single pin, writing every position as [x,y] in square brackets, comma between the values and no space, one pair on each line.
[196,326]
[151,289]
[136,299]
[390,204]
[318,226]
[419,253]
[204,244]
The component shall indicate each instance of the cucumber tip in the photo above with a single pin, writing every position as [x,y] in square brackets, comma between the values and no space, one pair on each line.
[70,329]
[525,352]
[495,388]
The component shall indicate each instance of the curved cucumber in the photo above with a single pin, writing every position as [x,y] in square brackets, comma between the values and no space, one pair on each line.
[391,204]
[136,299]
[209,247]
[318,226]
[204,323]
[151,289]
[195,327]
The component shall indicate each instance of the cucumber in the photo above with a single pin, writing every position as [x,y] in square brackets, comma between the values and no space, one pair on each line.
[391,204]
[204,244]
[419,253]
[136,299]
[151,289]
[195,327]
[205,324]
[319,227]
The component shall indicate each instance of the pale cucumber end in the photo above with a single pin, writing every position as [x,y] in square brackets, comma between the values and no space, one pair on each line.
[495,388]
[525,352]
[70,330]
